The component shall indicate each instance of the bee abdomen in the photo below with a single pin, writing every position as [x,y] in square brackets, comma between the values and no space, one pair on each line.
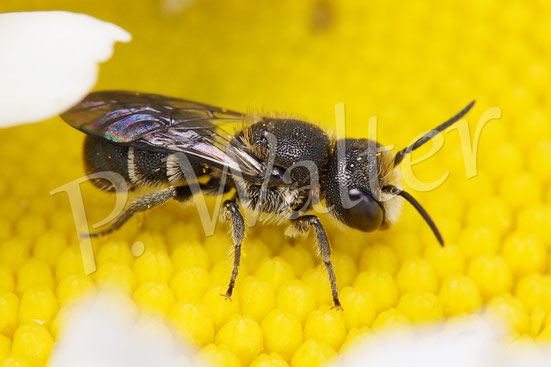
[100,156]
[137,167]
[146,168]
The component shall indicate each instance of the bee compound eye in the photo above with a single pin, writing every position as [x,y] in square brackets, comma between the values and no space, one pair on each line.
[367,213]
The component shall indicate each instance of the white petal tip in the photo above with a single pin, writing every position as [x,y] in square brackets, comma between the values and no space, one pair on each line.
[49,61]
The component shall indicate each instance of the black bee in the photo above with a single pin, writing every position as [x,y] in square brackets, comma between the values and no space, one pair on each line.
[277,166]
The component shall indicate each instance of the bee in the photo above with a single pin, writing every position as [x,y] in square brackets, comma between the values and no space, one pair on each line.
[272,165]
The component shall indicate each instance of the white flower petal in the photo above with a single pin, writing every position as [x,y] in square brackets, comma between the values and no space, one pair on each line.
[472,342]
[49,61]
[103,331]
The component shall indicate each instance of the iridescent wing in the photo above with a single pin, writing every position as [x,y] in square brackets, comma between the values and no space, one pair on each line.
[159,123]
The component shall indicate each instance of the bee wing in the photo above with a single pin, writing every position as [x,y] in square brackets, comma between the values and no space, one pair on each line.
[159,123]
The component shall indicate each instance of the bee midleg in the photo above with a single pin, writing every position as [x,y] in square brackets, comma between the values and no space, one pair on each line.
[230,212]
[302,225]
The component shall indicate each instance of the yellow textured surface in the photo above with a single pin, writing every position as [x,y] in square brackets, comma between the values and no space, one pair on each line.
[412,64]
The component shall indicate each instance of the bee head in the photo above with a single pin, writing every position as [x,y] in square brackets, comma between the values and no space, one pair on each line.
[358,170]
[361,185]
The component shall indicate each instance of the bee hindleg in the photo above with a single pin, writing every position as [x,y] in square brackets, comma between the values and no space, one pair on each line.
[150,200]
[230,212]
[146,202]
[302,225]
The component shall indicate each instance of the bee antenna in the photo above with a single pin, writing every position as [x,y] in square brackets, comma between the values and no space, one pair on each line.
[395,191]
[400,155]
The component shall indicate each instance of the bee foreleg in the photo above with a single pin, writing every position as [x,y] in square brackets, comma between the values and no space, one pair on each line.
[302,225]
[230,212]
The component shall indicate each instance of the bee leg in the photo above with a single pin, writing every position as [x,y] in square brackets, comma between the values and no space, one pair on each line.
[213,187]
[230,212]
[302,225]
[146,202]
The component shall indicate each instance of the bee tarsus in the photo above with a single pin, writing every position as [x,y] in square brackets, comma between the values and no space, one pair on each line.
[302,225]
[230,212]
